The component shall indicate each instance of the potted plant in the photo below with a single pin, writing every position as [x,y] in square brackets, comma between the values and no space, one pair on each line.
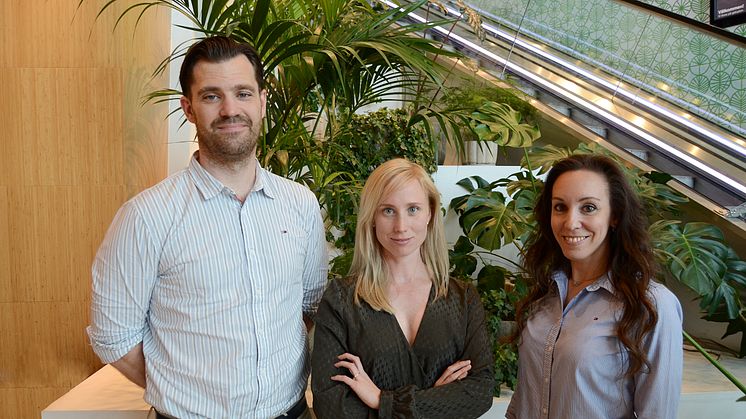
[494,116]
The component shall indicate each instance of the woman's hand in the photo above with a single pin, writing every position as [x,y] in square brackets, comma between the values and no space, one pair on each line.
[360,383]
[455,372]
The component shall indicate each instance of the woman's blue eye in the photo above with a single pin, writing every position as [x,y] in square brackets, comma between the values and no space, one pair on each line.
[413,210]
[388,211]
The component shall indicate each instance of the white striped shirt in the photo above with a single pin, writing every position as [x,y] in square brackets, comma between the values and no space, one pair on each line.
[215,290]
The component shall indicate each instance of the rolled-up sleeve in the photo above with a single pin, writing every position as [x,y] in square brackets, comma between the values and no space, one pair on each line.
[124,274]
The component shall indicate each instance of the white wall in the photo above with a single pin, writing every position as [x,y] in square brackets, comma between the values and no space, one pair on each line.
[181,140]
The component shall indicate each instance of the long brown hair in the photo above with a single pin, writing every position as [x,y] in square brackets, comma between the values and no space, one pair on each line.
[631,260]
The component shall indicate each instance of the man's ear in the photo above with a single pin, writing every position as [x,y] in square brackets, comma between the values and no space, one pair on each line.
[263,99]
[186,106]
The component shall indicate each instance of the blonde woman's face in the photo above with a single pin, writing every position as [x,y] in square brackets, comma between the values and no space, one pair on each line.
[401,222]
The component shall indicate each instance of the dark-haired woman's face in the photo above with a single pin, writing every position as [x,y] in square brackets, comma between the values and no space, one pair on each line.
[581,217]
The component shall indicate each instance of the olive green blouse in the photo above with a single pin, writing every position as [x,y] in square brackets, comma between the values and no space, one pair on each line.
[452,329]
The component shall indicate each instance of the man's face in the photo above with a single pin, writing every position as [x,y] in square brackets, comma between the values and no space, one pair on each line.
[227,107]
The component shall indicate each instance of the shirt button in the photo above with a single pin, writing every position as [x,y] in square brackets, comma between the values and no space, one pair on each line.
[544,410]
[549,348]
[546,380]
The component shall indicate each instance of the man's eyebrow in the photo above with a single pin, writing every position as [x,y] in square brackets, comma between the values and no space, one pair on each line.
[244,87]
[234,88]
[207,89]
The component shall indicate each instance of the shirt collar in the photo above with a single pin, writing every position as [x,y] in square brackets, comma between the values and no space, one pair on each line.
[210,187]
[604,281]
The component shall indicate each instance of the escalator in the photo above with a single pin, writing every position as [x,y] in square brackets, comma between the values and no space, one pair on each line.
[647,116]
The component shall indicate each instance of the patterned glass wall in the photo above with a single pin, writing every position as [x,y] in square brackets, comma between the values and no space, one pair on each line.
[700,73]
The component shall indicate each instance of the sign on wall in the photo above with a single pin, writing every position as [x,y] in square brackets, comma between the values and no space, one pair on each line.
[724,13]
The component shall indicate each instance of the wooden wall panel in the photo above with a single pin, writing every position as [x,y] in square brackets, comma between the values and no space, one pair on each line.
[76,143]
[5,289]
[52,351]
[62,126]
[71,222]
[52,34]
[17,403]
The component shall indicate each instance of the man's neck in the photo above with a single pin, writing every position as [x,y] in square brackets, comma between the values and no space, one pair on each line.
[239,176]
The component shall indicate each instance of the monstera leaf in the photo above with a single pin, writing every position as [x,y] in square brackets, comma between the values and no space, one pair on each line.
[543,158]
[525,190]
[725,297]
[498,122]
[694,254]
[458,204]
[489,221]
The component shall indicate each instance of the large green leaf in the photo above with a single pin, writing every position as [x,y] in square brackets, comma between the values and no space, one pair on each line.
[543,158]
[697,254]
[498,122]
[462,263]
[491,277]
[489,221]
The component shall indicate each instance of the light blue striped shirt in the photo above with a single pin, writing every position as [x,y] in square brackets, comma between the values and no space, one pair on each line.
[571,363]
[215,290]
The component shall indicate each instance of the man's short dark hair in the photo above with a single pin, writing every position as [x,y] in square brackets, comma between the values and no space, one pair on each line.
[216,49]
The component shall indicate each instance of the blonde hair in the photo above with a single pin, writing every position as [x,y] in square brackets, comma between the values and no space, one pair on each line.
[368,266]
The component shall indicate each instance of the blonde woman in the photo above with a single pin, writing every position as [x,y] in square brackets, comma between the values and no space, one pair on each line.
[398,337]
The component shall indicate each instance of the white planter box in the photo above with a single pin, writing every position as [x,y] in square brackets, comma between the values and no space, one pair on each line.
[486,154]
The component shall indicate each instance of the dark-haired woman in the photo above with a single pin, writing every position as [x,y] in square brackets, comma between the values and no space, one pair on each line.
[597,337]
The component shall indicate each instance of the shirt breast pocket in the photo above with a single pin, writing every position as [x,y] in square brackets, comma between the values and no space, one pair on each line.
[287,248]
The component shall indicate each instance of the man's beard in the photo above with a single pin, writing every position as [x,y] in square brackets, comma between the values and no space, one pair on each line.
[228,148]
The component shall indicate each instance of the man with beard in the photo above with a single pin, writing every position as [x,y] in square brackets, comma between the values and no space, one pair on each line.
[203,282]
